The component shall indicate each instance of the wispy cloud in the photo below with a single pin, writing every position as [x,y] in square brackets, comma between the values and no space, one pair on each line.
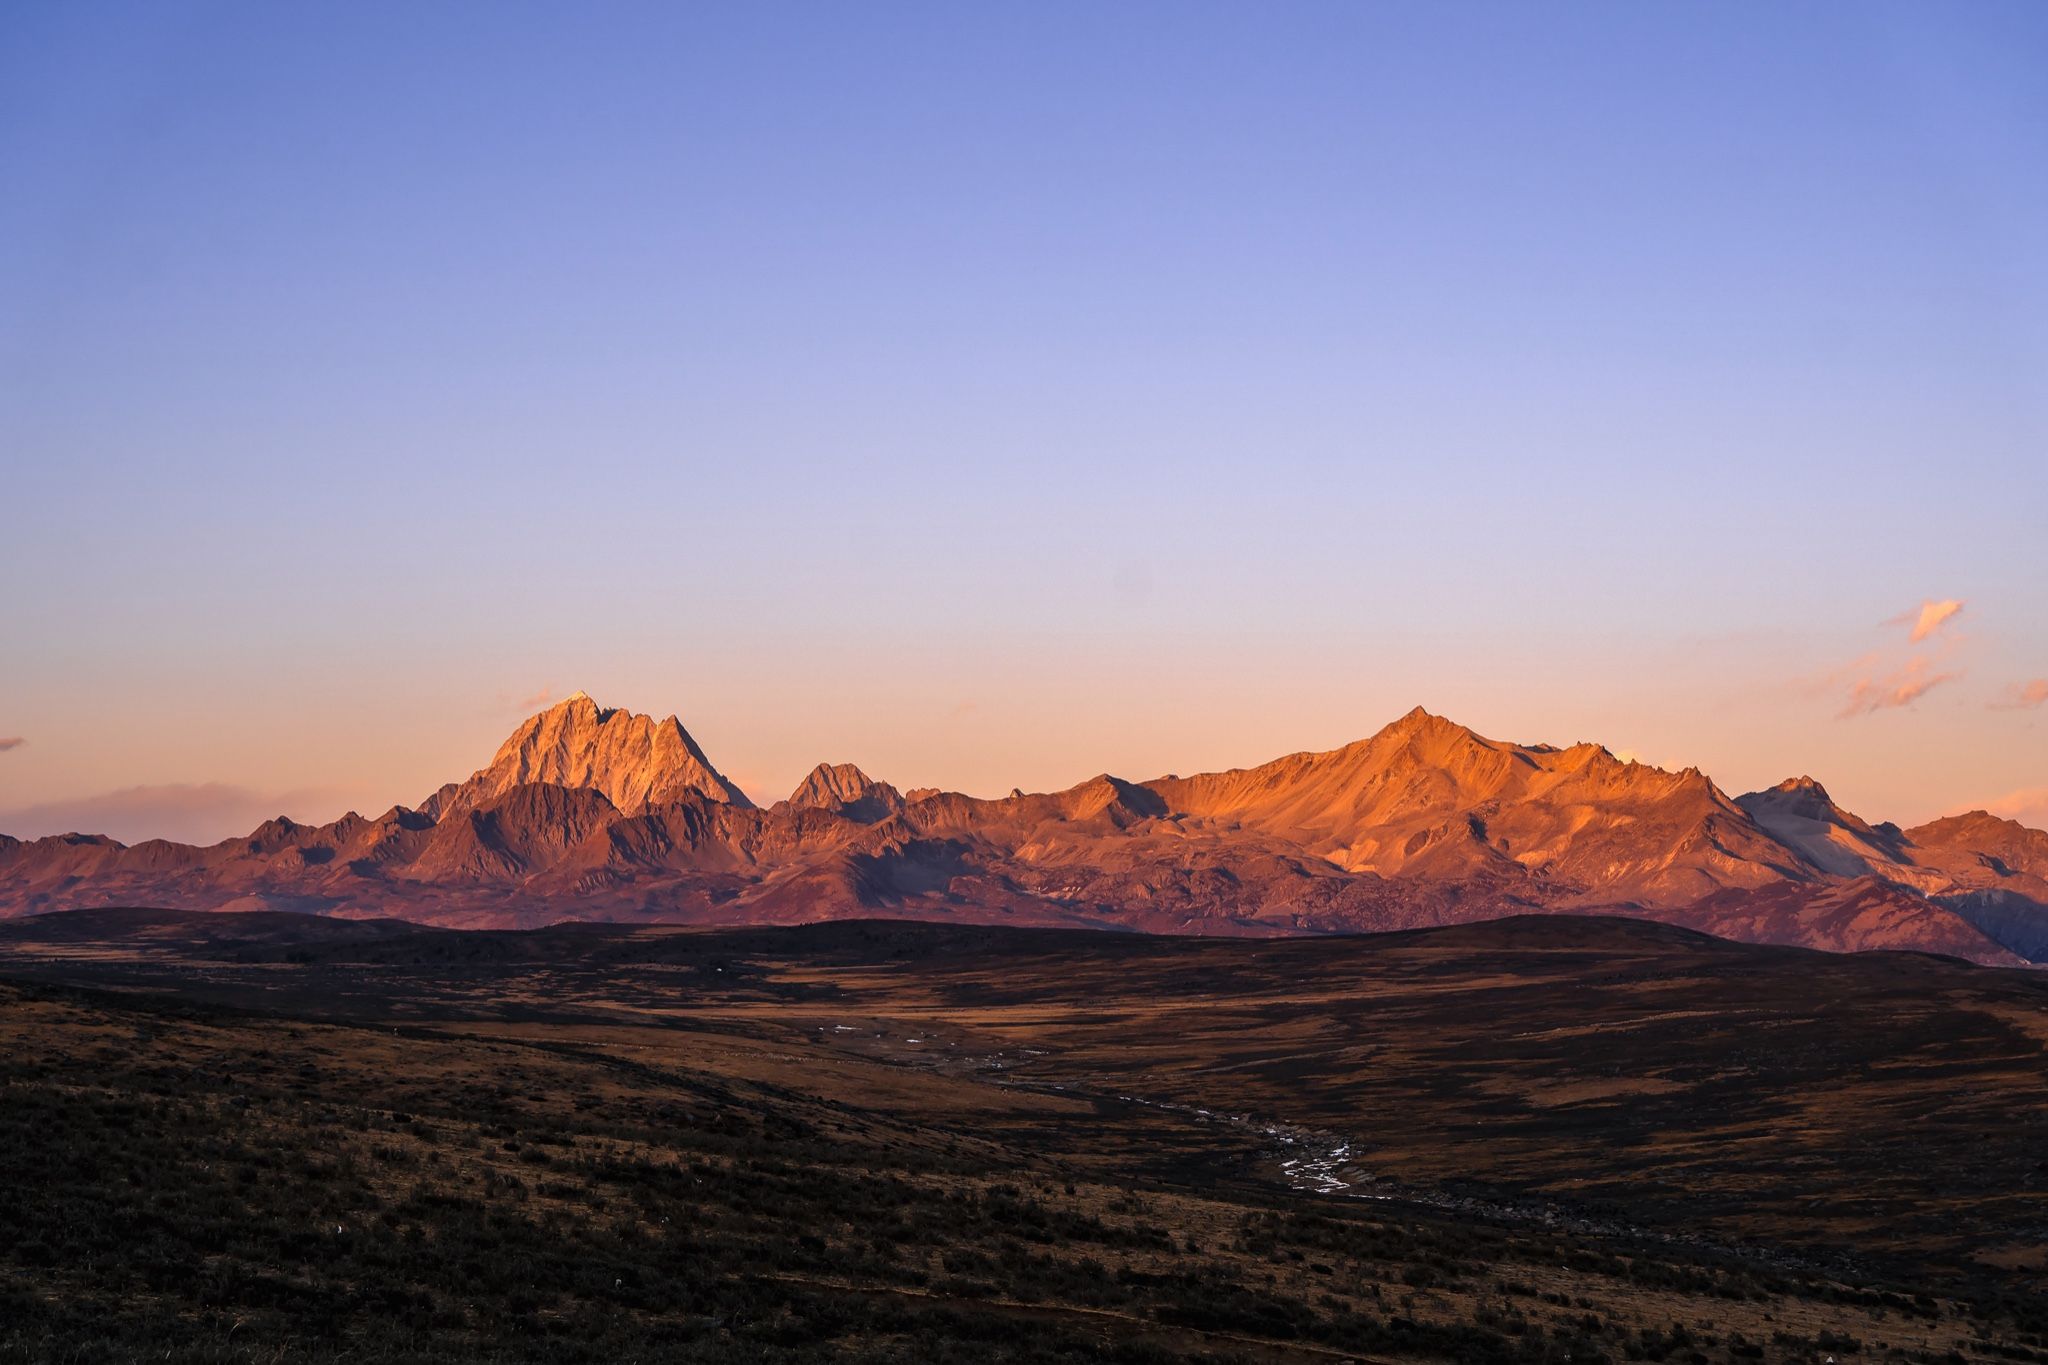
[538,700]
[1876,683]
[1828,683]
[1900,688]
[2023,696]
[11,742]
[1930,617]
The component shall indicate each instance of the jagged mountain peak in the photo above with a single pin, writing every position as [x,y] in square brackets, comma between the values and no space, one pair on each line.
[636,761]
[1798,795]
[833,781]
[1982,821]
[1979,833]
[1807,790]
[1428,796]
[845,790]
[1418,723]
[1800,814]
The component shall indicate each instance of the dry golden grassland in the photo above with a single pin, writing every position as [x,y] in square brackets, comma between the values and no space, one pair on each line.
[1583,1141]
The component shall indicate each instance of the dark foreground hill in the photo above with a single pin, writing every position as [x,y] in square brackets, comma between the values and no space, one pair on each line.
[588,812]
[1540,1139]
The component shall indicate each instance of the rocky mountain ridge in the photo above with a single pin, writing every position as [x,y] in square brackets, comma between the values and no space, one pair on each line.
[596,813]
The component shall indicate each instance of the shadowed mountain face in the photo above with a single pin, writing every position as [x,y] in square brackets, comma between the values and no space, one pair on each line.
[592,813]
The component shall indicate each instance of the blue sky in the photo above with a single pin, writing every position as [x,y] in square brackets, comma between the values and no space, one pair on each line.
[995,394]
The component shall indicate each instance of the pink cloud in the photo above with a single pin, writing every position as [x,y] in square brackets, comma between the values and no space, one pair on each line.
[1901,688]
[11,742]
[1931,616]
[2024,696]
[1825,684]
[537,701]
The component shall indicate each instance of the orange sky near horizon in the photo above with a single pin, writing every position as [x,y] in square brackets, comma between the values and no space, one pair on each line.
[1054,712]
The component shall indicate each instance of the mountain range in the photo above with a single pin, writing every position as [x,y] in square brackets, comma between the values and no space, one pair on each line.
[590,812]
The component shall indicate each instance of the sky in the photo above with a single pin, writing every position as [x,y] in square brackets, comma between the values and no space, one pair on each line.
[993,395]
